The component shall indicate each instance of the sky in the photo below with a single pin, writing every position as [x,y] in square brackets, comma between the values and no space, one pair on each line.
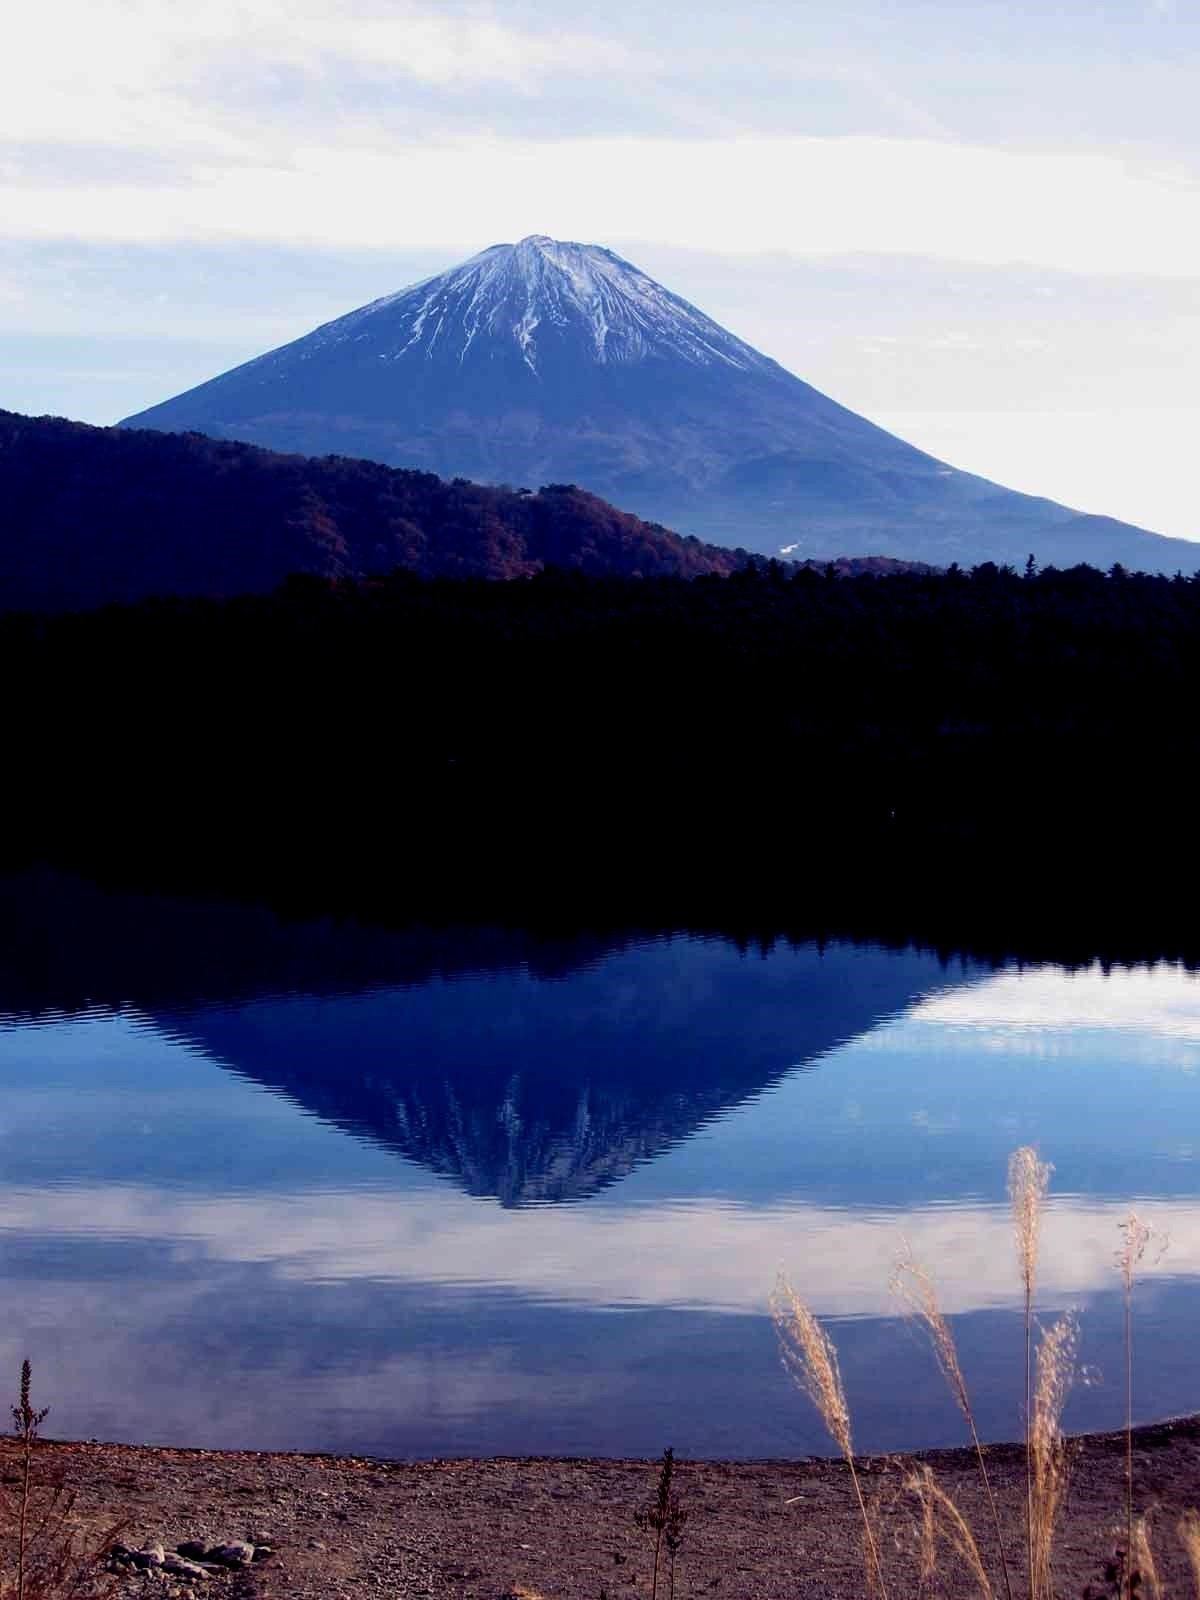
[976,223]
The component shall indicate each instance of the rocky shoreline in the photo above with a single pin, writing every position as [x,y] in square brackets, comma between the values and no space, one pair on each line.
[243,1525]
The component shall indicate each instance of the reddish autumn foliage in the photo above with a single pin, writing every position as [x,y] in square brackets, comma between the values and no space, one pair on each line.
[93,515]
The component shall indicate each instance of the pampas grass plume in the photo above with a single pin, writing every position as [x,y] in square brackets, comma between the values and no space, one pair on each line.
[1028,1180]
[1047,1449]
[913,1286]
[810,1358]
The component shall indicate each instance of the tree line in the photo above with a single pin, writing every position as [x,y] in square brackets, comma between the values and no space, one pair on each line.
[773,723]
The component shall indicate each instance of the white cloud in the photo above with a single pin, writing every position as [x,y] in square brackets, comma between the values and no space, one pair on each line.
[239,120]
[1082,213]
[439,49]
[147,75]
[703,1255]
[1161,1002]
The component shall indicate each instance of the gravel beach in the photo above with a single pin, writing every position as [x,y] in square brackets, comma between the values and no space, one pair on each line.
[337,1528]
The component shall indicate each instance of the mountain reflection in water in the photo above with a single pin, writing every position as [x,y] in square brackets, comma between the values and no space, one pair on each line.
[302,1185]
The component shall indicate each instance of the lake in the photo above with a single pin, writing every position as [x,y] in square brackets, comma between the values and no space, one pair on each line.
[462,1191]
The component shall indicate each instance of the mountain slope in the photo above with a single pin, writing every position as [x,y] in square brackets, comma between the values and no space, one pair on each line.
[550,361]
[92,515]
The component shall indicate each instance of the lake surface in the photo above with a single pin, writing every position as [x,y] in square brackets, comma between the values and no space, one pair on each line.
[448,1192]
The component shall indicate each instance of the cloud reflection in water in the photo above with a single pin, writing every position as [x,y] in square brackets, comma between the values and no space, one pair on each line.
[194,1256]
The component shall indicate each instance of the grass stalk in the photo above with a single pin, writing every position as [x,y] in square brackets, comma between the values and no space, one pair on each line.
[1047,1457]
[26,1421]
[914,1287]
[1188,1529]
[810,1359]
[54,1561]
[1141,1560]
[938,1511]
[1028,1179]
[1135,1236]
[665,1518]
[673,1539]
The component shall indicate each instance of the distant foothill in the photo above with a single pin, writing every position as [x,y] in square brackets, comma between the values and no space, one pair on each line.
[94,515]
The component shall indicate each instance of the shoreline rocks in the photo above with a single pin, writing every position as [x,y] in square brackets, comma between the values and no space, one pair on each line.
[193,1559]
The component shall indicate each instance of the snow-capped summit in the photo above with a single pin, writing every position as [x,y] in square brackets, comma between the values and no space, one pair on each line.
[548,361]
[543,296]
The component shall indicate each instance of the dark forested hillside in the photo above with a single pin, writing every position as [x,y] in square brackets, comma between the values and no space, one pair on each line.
[90,515]
[763,728]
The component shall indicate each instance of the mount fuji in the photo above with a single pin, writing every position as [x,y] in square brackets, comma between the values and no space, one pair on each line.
[546,361]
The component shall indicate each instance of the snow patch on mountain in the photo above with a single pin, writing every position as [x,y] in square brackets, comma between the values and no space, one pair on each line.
[533,293]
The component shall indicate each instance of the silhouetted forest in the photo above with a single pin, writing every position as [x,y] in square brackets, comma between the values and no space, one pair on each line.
[763,734]
[91,515]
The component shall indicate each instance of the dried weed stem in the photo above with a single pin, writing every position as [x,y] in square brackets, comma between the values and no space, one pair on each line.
[1188,1528]
[52,1560]
[1141,1560]
[1047,1449]
[810,1359]
[940,1514]
[1135,1236]
[1028,1180]
[914,1287]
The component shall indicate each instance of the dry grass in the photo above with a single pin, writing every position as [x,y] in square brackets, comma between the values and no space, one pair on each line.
[59,1563]
[1142,1560]
[1188,1529]
[1135,1237]
[915,1289]
[50,1559]
[941,1519]
[1046,1449]
[811,1359]
[1028,1180]
[666,1518]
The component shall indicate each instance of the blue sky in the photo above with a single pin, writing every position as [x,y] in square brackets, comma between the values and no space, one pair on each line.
[976,223]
